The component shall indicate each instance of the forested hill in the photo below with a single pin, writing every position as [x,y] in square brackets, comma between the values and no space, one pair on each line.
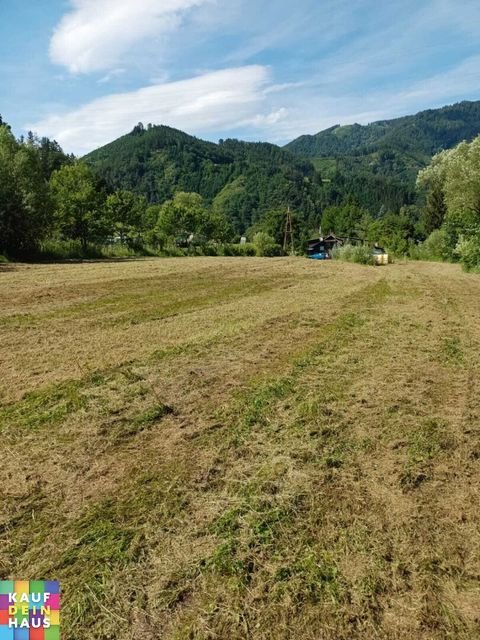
[245,180]
[374,165]
[391,148]
[362,184]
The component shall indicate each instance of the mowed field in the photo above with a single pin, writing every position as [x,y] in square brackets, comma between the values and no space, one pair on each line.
[228,449]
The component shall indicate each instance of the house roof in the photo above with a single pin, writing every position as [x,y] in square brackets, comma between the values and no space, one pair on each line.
[333,238]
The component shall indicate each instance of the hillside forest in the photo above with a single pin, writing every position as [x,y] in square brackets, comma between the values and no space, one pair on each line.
[411,185]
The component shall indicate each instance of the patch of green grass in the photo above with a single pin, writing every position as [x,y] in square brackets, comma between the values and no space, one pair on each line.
[226,561]
[265,523]
[49,407]
[148,303]
[452,352]
[105,548]
[313,577]
[153,414]
[252,527]
[320,412]
[425,444]
[24,527]
[427,441]
[103,544]
[247,534]
[101,539]
[455,625]
[177,586]
[19,321]
[257,405]
[124,428]
[335,458]
[46,408]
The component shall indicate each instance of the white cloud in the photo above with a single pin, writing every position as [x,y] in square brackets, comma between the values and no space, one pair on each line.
[97,33]
[216,101]
[371,61]
[266,120]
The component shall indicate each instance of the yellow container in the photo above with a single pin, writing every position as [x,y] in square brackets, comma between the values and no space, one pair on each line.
[381,258]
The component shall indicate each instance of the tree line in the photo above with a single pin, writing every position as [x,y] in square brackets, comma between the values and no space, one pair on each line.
[203,195]
[46,194]
[452,186]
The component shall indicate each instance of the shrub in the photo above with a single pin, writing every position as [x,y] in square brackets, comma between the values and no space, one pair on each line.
[265,245]
[74,250]
[434,248]
[469,251]
[360,254]
[211,250]
[68,250]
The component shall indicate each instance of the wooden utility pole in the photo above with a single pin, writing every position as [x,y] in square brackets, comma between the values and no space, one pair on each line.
[288,232]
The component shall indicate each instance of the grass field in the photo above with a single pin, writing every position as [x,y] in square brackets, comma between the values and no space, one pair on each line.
[244,448]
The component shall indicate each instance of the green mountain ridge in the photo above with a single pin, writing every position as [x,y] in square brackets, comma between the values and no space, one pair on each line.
[247,179]
[392,148]
[373,165]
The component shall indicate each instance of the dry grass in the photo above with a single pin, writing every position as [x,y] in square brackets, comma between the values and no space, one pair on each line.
[244,448]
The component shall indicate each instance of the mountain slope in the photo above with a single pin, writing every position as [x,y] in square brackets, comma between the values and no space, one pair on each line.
[374,166]
[249,178]
[393,148]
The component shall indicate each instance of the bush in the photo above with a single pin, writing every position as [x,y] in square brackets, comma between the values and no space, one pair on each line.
[434,248]
[469,251]
[3,259]
[211,250]
[74,250]
[67,250]
[170,251]
[360,254]
[265,245]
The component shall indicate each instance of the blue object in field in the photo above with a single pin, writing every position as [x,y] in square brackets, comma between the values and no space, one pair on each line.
[322,255]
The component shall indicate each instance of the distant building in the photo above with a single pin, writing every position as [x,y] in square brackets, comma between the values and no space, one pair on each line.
[321,248]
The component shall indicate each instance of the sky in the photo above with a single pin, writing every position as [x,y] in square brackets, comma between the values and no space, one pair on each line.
[87,71]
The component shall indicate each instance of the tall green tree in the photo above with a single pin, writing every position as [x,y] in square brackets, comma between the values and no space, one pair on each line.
[126,213]
[456,174]
[435,210]
[393,231]
[79,204]
[342,220]
[187,216]
[11,210]
[25,204]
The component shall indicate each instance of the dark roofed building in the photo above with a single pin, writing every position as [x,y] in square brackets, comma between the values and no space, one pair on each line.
[321,248]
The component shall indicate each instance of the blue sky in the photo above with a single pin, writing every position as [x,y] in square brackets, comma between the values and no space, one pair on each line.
[86,71]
